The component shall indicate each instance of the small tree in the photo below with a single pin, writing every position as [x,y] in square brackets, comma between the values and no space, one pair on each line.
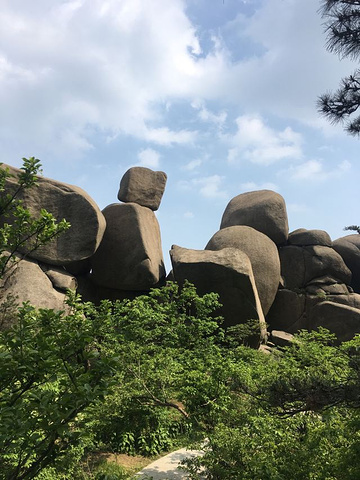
[342,25]
[20,229]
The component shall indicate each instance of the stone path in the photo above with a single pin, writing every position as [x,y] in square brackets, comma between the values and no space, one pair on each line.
[166,468]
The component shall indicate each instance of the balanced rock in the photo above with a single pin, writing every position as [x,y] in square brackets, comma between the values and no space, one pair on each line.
[263,255]
[263,210]
[130,255]
[63,201]
[301,265]
[227,272]
[303,237]
[142,186]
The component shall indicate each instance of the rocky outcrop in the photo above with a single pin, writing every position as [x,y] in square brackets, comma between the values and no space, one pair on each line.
[303,238]
[263,256]
[342,320]
[227,272]
[301,265]
[263,210]
[299,280]
[130,255]
[142,186]
[27,281]
[69,202]
[349,249]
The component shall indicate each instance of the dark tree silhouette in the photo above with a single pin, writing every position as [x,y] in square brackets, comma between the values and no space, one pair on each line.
[342,25]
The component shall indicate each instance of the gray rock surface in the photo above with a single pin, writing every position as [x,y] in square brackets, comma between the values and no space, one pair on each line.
[263,210]
[227,272]
[130,255]
[350,253]
[263,255]
[301,265]
[303,237]
[26,281]
[142,186]
[59,278]
[281,338]
[73,204]
[342,320]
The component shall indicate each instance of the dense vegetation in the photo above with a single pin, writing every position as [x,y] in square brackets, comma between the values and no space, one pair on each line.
[141,376]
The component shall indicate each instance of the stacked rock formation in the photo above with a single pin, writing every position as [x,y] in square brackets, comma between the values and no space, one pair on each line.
[104,254]
[260,271]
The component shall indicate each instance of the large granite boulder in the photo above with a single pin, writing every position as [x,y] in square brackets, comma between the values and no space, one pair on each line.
[26,281]
[342,320]
[288,312]
[301,265]
[142,186]
[63,201]
[263,210]
[263,255]
[293,311]
[349,249]
[130,255]
[227,272]
[303,237]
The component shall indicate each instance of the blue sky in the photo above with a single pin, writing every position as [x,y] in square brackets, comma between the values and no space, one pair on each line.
[219,94]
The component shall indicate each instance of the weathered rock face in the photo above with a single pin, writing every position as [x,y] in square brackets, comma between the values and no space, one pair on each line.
[288,312]
[350,253]
[26,281]
[303,237]
[142,186]
[263,210]
[73,204]
[263,256]
[301,265]
[342,320]
[293,311]
[227,272]
[129,256]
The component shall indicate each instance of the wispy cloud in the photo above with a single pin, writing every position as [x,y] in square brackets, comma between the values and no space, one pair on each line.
[316,171]
[209,187]
[256,142]
[251,186]
[149,158]
[192,165]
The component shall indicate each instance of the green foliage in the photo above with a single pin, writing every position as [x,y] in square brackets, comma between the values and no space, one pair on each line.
[134,376]
[52,367]
[293,414]
[165,340]
[20,230]
[354,228]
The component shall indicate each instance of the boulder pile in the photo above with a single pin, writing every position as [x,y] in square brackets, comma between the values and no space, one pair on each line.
[291,281]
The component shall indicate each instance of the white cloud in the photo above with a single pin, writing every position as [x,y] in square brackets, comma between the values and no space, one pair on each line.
[207,116]
[211,187]
[289,66]
[315,171]
[208,187]
[256,142]
[149,158]
[96,65]
[192,165]
[189,215]
[251,186]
